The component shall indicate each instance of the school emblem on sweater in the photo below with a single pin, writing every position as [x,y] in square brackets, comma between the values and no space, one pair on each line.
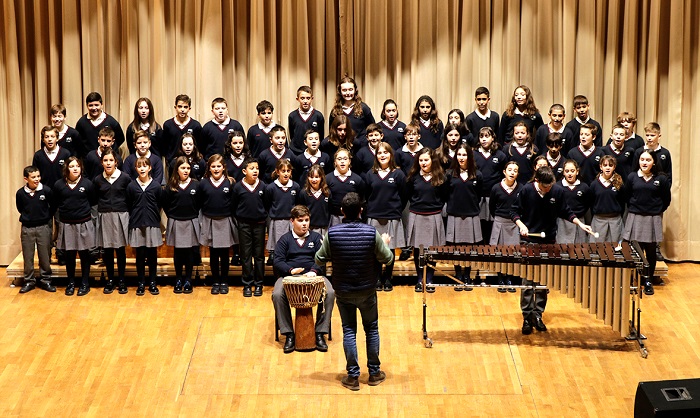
[260,193]
[69,140]
[579,193]
[193,192]
[351,182]
[597,158]
[189,130]
[663,157]
[314,124]
[552,200]
[322,164]
[81,189]
[656,183]
[61,162]
[225,189]
[293,193]
[400,130]
[627,154]
[230,131]
[495,160]
[42,197]
[390,180]
[311,245]
[195,167]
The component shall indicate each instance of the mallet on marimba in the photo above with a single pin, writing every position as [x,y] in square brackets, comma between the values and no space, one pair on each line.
[536,234]
[595,234]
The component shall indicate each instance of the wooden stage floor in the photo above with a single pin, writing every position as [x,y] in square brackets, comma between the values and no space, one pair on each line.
[203,355]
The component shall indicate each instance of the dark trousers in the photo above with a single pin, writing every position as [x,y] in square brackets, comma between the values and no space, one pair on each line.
[251,237]
[348,305]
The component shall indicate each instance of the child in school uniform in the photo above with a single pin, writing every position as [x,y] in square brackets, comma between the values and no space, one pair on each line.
[392,127]
[91,123]
[504,230]
[112,219]
[142,142]
[235,153]
[280,197]
[259,134]
[181,204]
[620,150]
[556,125]
[177,126]
[249,210]
[144,196]
[215,132]
[315,196]
[425,115]
[407,153]
[51,158]
[629,121]
[582,109]
[303,119]
[649,195]
[608,202]
[145,120]
[268,159]
[341,182]
[427,189]
[579,197]
[93,160]
[451,139]
[482,116]
[521,108]
[463,205]
[311,156]
[456,117]
[68,137]
[363,158]
[490,161]
[74,197]
[349,103]
[34,204]
[536,209]
[586,154]
[187,147]
[340,135]
[521,150]
[386,199]
[217,227]
[652,133]
[554,156]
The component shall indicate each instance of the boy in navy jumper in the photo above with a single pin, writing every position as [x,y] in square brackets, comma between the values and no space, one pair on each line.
[215,132]
[91,123]
[93,160]
[621,150]
[33,203]
[68,137]
[581,107]
[142,142]
[555,125]
[586,154]
[180,124]
[49,160]
[259,134]
[482,116]
[652,132]
[629,121]
[364,157]
[304,118]
[278,150]
[294,255]
[311,155]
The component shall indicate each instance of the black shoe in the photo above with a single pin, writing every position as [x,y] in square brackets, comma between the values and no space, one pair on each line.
[405,255]
[141,290]
[109,287]
[47,286]
[351,383]
[658,281]
[83,290]
[28,287]
[379,286]
[509,283]
[235,260]
[419,287]
[122,288]
[470,282]
[429,288]
[502,289]
[539,325]
[648,289]
[223,289]
[458,287]
[153,289]
[375,379]
[270,260]
[258,290]
[321,343]
[527,327]
[388,287]
[215,289]
[247,292]
[70,289]
[289,344]
[187,288]
[178,287]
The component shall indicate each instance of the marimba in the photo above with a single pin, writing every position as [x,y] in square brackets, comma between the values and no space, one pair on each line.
[603,277]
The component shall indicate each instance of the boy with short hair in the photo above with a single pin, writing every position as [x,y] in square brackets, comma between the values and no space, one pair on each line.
[178,125]
[142,143]
[364,158]
[621,150]
[482,116]
[586,154]
[215,132]
[302,119]
[68,137]
[629,121]
[93,160]
[33,202]
[93,121]
[278,150]
[557,113]
[311,155]
[652,132]
[50,158]
[581,109]
[555,160]
[259,134]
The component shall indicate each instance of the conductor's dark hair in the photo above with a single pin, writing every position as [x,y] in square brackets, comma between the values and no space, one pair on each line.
[544,175]
[352,206]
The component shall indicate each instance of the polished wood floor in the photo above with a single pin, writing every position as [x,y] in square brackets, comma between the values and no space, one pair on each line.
[203,355]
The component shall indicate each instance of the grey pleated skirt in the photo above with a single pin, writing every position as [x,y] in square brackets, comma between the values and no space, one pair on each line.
[426,230]
[218,233]
[570,233]
[463,230]
[484,211]
[609,228]
[76,237]
[112,229]
[393,227]
[147,236]
[275,230]
[321,231]
[504,232]
[643,228]
[182,233]
[335,220]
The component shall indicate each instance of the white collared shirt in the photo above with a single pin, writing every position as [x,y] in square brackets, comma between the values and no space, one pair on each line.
[99,120]
[484,116]
[218,182]
[111,179]
[641,174]
[183,124]
[268,128]
[507,188]
[223,124]
[52,154]
[144,185]
[342,177]
[31,192]
[588,151]
[300,238]
[306,115]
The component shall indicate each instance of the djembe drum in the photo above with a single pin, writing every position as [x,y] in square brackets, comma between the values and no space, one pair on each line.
[303,293]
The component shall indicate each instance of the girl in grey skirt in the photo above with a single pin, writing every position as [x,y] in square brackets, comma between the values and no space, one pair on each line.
[144,199]
[280,197]
[608,202]
[505,231]
[579,198]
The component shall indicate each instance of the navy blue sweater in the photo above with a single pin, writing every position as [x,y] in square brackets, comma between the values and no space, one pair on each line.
[664,157]
[267,161]
[358,123]
[89,133]
[363,160]
[215,201]
[318,206]
[182,203]
[302,165]
[172,134]
[463,199]
[214,138]
[34,210]
[575,127]
[475,123]
[425,198]
[197,168]
[648,197]
[156,139]
[524,160]
[72,141]
[579,198]
[501,201]
[279,202]
[144,205]
[51,171]
[92,164]
[540,214]
[74,204]
[429,138]
[386,197]
[111,197]
[491,169]
[589,166]
[394,136]
[156,167]
[339,189]
[505,129]
[249,205]
[623,157]
[298,126]
[290,255]
[258,140]
[607,200]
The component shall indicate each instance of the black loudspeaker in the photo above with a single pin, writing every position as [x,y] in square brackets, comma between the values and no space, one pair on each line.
[668,398]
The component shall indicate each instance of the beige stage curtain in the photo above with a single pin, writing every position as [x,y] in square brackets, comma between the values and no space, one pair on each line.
[638,56]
